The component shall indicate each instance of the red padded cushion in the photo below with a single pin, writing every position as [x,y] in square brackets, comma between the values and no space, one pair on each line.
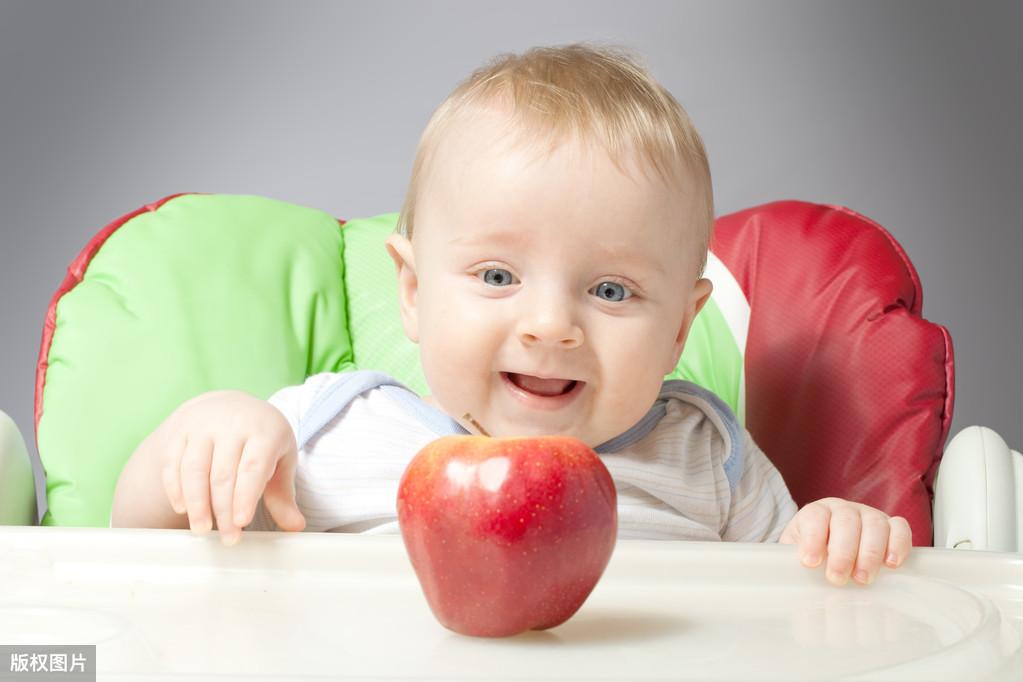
[849,390]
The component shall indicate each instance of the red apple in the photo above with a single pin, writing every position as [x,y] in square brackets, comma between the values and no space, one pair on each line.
[507,534]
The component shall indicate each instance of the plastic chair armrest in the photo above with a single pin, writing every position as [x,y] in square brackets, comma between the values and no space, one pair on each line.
[17,485]
[978,494]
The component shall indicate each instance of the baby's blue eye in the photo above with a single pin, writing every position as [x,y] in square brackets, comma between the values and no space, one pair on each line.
[611,291]
[497,277]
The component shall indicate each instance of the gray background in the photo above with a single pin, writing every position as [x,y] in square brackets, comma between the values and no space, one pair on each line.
[908,112]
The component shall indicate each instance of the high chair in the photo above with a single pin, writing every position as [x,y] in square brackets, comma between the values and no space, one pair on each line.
[814,336]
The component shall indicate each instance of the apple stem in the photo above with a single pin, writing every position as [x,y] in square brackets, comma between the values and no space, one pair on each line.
[479,427]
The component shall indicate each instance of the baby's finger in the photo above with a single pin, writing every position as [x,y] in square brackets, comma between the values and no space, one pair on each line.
[223,471]
[279,497]
[873,544]
[170,474]
[811,527]
[254,469]
[195,482]
[900,540]
[843,544]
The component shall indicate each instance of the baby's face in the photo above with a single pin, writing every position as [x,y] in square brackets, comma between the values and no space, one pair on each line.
[549,295]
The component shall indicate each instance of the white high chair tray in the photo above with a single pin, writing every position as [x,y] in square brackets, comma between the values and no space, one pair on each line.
[165,604]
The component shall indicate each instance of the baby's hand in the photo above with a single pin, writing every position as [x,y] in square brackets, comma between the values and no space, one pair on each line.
[855,539]
[219,453]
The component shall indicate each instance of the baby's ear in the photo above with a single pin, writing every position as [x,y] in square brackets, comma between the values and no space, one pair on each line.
[404,259]
[694,303]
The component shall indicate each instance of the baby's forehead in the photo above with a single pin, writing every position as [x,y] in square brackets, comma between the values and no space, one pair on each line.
[511,179]
[503,224]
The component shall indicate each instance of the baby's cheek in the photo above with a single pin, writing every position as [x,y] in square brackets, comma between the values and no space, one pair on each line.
[438,367]
[450,371]
[632,397]
[610,419]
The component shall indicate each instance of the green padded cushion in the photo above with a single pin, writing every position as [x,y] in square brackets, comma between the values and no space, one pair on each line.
[221,291]
[206,292]
[379,341]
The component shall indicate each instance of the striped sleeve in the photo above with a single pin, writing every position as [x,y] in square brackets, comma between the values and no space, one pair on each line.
[761,505]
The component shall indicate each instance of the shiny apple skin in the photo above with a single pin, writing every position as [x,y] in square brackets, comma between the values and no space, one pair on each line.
[507,534]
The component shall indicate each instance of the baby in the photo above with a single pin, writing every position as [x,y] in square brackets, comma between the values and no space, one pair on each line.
[549,258]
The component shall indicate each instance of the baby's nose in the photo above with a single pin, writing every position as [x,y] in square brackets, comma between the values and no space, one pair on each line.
[546,329]
[568,342]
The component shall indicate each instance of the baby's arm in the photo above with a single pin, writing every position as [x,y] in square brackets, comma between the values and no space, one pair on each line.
[211,460]
[855,538]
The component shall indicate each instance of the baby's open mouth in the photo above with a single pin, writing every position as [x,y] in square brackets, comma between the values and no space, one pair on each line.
[541,387]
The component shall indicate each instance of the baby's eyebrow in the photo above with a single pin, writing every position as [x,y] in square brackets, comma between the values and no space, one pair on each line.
[506,237]
[624,254]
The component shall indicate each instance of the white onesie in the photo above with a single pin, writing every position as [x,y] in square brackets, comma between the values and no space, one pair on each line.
[686,471]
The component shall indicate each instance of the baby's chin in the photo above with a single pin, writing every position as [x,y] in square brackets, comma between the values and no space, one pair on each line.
[513,430]
[510,429]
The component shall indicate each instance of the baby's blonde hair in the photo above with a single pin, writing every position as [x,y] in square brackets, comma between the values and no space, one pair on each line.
[602,93]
